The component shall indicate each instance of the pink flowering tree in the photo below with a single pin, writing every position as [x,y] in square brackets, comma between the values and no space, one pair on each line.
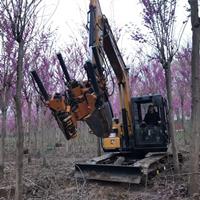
[182,86]
[7,79]
[21,16]
[150,79]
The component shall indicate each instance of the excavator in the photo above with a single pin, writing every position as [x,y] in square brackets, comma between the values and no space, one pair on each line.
[133,149]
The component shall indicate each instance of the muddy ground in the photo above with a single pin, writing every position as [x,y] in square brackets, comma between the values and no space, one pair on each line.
[56,181]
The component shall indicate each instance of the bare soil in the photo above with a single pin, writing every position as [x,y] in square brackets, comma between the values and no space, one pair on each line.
[56,181]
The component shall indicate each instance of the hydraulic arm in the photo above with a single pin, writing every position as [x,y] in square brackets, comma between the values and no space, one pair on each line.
[102,44]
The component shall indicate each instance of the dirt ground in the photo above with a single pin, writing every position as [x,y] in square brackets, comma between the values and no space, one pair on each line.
[56,181]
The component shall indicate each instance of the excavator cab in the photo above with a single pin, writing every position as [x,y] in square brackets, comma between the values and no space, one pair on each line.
[151,134]
[147,136]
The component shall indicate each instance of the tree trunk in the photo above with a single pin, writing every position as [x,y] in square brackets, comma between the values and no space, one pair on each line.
[20,133]
[35,143]
[194,178]
[182,119]
[41,131]
[29,132]
[36,130]
[168,79]
[2,146]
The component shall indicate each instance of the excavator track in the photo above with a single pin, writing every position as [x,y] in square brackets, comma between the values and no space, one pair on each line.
[117,167]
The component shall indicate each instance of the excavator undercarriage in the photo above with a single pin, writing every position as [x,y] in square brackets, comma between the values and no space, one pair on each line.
[123,167]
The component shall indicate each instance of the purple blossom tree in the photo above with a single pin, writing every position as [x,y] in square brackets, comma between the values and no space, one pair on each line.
[39,56]
[21,16]
[181,83]
[150,79]
[7,79]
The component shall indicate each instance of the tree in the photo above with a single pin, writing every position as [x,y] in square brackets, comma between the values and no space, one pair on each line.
[194,178]
[150,79]
[44,62]
[38,56]
[159,19]
[21,14]
[7,72]
[182,86]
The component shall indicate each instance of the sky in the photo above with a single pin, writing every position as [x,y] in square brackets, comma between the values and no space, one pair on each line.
[67,16]
[67,12]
